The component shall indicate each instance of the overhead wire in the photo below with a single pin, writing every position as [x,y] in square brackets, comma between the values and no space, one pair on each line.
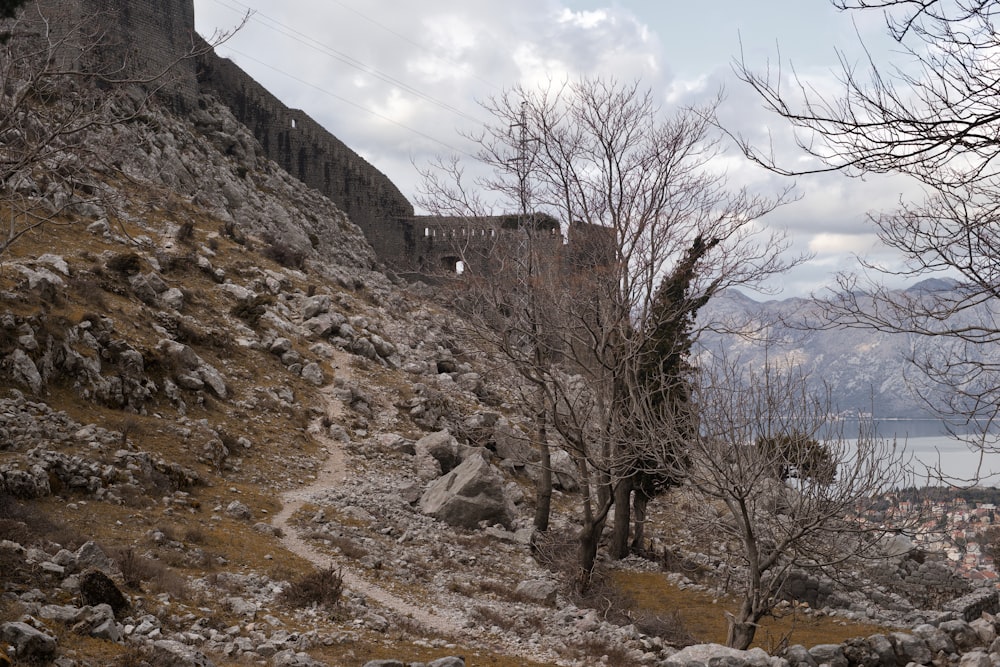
[348,101]
[318,46]
[405,38]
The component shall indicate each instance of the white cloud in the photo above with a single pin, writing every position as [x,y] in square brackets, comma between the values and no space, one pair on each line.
[587,20]
[828,243]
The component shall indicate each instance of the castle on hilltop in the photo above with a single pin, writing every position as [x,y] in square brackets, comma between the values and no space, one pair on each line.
[152,35]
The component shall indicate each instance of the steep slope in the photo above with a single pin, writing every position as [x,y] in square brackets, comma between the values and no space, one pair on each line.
[208,349]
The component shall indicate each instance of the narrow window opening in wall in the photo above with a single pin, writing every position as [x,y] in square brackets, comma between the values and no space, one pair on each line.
[459,267]
[427,231]
[294,123]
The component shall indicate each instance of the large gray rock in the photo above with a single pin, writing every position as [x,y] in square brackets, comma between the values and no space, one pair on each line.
[442,447]
[30,645]
[313,374]
[539,590]
[324,325]
[171,653]
[961,633]
[938,641]
[513,444]
[910,648]
[471,493]
[883,647]
[716,654]
[313,306]
[180,354]
[289,658]
[798,655]
[450,661]
[975,659]
[98,621]
[214,379]
[829,654]
[23,370]
[90,555]
[563,471]
[985,629]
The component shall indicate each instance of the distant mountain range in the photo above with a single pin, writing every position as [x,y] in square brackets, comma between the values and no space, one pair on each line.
[866,370]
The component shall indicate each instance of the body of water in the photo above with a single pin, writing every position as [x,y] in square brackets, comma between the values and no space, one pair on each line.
[933,449]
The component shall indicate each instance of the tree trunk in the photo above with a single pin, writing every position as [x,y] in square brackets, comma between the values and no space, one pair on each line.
[639,502]
[543,487]
[619,535]
[740,635]
[742,626]
[590,538]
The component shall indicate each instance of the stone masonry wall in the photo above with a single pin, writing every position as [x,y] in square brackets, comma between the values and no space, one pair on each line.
[152,35]
[307,151]
[140,39]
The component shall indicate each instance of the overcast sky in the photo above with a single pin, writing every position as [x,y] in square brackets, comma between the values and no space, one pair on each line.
[398,81]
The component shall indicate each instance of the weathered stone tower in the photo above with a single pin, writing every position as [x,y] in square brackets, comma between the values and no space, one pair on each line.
[139,39]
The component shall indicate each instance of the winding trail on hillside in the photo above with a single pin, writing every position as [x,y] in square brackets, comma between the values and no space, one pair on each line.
[332,474]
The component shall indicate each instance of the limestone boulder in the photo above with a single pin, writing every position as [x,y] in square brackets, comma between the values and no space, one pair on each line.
[539,590]
[172,653]
[315,305]
[29,643]
[471,493]
[24,370]
[442,447]
[715,654]
[910,648]
[563,470]
[513,444]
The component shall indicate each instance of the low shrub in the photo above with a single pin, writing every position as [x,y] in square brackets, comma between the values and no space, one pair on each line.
[127,264]
[321,587]
[284,254]
[251,310]
[185,233]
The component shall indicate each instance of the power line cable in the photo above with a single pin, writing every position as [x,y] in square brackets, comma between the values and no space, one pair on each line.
[420,46]
[347,59]
[348,101]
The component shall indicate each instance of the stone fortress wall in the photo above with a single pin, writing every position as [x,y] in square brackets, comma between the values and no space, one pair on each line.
[152,35]
[141,38]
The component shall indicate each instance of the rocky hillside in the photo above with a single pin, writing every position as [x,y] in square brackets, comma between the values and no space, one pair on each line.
[227,439]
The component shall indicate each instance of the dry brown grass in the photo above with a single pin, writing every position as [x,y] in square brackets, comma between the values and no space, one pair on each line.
[703,615]
[320,587]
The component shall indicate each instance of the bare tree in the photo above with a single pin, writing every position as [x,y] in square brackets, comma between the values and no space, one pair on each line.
[58,88]
[783,488]
[633,190]
[933,117]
